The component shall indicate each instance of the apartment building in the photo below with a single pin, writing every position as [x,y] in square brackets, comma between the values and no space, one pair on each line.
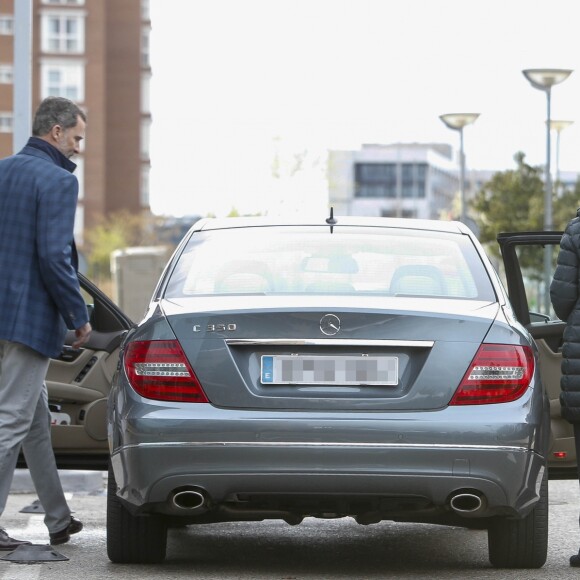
[96,53]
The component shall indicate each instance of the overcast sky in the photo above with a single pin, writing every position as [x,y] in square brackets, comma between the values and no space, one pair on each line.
[239,83]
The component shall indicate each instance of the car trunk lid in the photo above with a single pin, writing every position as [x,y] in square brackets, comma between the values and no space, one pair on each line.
[384,354]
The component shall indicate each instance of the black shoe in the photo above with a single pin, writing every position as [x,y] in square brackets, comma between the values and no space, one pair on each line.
[575,561]
[62,537]
[8,543]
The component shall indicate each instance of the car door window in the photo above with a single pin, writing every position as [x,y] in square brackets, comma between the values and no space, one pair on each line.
[536,283]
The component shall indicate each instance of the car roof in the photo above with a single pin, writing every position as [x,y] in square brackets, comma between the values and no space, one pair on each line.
[382,222]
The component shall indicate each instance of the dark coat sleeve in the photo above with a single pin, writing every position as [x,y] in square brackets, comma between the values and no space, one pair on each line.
[564,287]
[564,295]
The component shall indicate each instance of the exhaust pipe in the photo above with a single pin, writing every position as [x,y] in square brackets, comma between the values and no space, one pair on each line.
[188,499]
[467,503]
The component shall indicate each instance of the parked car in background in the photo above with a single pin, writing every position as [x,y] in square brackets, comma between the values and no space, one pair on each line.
[364,367]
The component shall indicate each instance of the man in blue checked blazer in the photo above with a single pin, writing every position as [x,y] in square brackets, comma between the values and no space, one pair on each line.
[39,299]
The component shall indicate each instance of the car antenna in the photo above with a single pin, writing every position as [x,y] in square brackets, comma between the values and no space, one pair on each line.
[331,221]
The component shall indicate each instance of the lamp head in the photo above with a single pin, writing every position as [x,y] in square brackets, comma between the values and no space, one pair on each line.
[457,121]
[545,78]
[559,125]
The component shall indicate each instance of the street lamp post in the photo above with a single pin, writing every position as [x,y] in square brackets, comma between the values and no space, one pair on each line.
[22,91]
[457,121]
[544,80]
[558,126]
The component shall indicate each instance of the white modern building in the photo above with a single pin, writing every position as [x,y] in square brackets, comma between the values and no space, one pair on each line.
[564,180]
[401,180]
[419,180]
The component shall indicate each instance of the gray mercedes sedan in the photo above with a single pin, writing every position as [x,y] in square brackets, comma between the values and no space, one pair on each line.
[370,368]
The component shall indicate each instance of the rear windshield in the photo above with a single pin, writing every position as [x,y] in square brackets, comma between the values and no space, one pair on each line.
[310,260]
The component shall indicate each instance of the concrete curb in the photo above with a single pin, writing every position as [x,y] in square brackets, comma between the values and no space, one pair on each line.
[72,481]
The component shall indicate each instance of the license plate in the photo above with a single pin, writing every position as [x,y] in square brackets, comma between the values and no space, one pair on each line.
[329,370]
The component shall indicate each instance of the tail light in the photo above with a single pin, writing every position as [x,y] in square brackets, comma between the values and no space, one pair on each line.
[499,373]
[158,369]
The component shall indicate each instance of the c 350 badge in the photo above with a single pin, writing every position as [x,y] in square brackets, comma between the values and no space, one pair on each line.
[217,327]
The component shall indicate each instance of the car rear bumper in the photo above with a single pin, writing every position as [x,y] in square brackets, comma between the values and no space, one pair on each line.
[506,478]
[271,460]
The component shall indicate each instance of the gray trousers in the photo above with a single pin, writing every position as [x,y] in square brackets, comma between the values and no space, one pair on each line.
[25,423]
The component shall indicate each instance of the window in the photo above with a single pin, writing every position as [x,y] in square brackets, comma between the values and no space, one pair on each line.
[145,48]
[414,179]
[145,92]
[376,180]
[65,2]
[307,260]
[63,33]
[6,24]
[382,179]
[376,172]
[6,74]
[79,225]
[80,174]
[6,122]
[145,12]
[80,211]
[145,130]
[144,193]
[63,80]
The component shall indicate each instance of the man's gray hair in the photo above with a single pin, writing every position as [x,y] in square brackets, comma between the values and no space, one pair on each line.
[56,111]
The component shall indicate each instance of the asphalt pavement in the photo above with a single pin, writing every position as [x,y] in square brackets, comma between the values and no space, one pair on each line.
[272,550]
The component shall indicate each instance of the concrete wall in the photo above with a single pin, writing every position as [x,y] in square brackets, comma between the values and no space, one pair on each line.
[135,273]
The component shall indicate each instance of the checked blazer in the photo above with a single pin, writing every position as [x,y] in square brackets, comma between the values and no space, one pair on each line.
[39,289]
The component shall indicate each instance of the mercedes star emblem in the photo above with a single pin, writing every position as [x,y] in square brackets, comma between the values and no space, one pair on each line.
[329,324]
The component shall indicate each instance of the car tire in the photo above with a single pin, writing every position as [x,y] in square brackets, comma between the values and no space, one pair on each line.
[521,543]
[133,539]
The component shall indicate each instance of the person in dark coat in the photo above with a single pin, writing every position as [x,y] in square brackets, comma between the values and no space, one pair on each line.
[565,295]
[40,298]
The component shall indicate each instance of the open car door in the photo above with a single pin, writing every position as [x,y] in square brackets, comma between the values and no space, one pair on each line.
[78,384]
[525,256]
